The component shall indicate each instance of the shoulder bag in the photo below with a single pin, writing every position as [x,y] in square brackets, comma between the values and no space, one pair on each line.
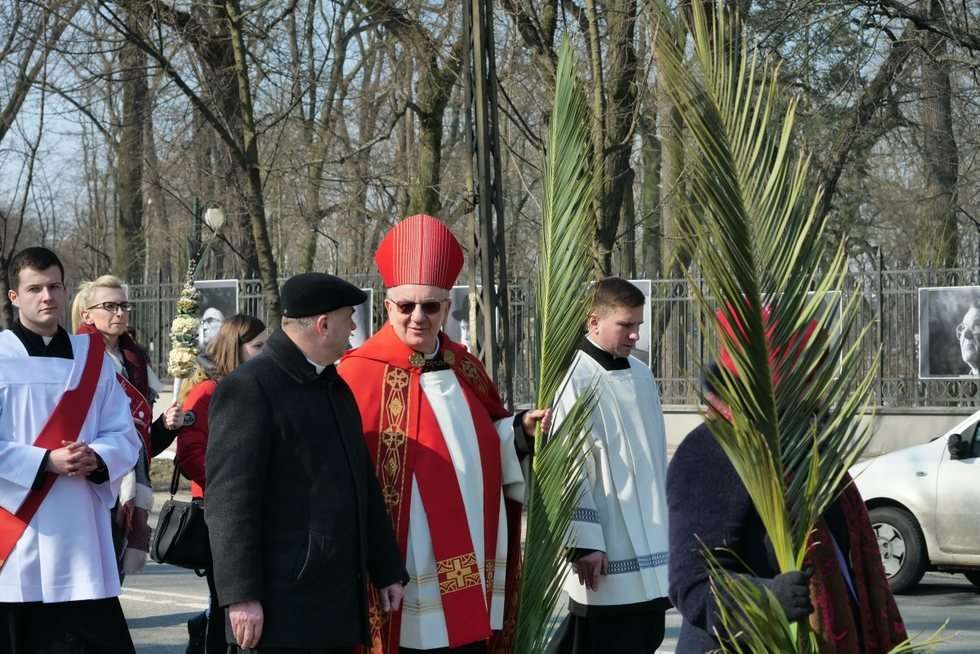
[181,535]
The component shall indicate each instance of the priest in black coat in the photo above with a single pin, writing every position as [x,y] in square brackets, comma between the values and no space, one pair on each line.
[297,522]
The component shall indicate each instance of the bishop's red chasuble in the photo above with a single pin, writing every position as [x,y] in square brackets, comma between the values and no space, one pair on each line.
[442,444]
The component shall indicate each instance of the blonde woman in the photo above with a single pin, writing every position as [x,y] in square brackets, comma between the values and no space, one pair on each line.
[102,307]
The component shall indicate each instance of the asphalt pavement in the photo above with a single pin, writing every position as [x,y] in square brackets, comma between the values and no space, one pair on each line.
[158,602]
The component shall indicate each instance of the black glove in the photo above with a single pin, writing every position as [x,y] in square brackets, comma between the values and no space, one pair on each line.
[792,591]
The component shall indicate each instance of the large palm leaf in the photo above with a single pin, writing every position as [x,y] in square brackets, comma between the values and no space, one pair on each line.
[562,305]
[753,226]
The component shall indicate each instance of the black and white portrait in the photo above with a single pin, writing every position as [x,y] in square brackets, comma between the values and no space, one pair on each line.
[457,325]
[219,299]
[949,332]
[363,320]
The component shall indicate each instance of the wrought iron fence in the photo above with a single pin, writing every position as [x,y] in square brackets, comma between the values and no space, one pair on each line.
[888,301]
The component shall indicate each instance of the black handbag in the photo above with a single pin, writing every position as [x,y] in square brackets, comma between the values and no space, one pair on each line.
[181,535]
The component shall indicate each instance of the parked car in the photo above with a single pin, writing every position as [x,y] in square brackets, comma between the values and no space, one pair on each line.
[924,503]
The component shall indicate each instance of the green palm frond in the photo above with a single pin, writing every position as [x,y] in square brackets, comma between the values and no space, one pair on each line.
[563,303]
[753,225]
[567,230]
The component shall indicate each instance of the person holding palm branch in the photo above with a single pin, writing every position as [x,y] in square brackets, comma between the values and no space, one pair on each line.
[843,591]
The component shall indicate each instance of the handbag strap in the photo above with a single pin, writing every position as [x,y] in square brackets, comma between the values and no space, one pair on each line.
[175,480]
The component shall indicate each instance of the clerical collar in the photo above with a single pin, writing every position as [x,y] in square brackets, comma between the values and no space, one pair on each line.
[430,357]
[59,346]
[316,366]
[603,358]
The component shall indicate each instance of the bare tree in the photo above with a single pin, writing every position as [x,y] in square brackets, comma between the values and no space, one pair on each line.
[939,143]
[219,42]
[31,34]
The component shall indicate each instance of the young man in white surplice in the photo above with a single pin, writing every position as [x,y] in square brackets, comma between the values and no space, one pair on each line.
[66,440]
[618,540]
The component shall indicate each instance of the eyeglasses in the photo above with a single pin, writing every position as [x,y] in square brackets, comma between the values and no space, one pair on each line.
[971,333]
[429,307]
[112,307]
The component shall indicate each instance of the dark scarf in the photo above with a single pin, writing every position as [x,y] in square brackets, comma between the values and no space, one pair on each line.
[135,360]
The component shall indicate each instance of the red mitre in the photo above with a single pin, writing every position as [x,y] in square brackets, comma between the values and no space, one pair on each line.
[419,250]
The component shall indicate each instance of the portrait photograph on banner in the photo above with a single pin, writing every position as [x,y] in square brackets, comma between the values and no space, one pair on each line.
[949,330]
[457,325]
[219,299]
[363,320]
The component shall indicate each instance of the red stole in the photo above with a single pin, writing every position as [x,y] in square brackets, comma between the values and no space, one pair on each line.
[63,424]
[405,441]
[136,390]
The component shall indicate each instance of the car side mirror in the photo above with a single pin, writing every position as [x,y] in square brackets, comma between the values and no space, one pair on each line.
[955,446]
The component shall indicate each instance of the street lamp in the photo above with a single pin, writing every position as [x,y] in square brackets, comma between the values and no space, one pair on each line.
[214,218]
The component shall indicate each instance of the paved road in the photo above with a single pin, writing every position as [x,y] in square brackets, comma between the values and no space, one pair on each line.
[159,601]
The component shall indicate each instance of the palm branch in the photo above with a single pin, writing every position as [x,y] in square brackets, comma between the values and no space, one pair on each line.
[763,253]
[563,302]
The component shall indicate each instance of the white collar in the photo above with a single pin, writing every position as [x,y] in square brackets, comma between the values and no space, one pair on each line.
[316,365]
[430,357]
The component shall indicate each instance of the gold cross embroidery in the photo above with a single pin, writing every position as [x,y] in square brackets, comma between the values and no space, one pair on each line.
[458,573]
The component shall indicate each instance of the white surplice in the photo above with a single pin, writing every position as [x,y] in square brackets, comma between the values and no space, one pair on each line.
[66,552]
[423,620]
[622,508]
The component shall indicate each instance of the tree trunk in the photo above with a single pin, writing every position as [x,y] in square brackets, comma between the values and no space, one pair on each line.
[268,270]
[627,256]
[939,147]
[675,257]
[619,117]
[433,93]
[650,214]
[159,228]
[130,247]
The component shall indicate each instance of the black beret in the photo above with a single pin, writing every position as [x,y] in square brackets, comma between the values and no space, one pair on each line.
[312,294]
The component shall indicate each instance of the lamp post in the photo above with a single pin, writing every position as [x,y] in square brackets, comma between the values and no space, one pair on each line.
[183,330]
[214,218]
[336,249]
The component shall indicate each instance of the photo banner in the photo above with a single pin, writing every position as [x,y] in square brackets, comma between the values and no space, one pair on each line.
[949,332]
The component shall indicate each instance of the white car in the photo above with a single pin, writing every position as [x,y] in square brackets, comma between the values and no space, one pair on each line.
[924,503]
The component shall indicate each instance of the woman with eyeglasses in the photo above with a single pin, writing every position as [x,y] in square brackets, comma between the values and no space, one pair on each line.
[102,307]
[239,338]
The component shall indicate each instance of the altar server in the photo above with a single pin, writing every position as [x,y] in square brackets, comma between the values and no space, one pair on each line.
[66,440]
[618,539]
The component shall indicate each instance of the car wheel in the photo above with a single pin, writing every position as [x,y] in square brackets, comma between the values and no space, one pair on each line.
[903,550]
[973,578]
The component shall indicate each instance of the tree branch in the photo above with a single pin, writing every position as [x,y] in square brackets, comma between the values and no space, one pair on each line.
[896,9]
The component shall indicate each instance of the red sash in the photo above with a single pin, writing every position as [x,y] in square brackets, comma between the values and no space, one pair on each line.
[140,409]
[63,424]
